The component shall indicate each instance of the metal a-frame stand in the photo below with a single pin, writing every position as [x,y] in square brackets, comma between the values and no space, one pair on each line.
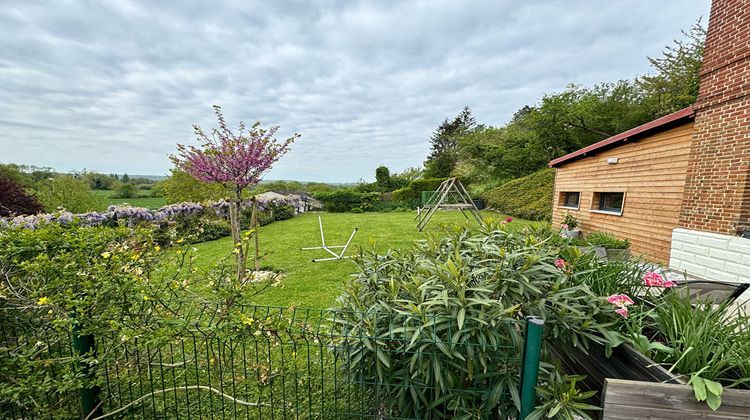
[450,195]
[329,248]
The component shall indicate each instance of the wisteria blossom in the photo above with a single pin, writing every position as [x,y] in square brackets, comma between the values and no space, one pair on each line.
[653,279]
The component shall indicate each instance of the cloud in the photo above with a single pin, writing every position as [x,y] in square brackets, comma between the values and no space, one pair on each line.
[113,86]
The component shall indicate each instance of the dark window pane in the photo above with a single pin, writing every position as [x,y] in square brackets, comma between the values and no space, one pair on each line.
[610,202]
[571,199]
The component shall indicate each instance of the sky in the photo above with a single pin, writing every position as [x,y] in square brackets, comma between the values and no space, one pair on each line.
[113,86]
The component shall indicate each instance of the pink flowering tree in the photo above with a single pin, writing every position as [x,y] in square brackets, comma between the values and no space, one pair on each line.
[236,160]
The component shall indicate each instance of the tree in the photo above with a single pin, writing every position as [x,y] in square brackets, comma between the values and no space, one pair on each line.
[444,141]
[383,178]
[15,201]
[675,83]
[68,193]
[125,178]
[235,161]
[125,190]
[181,187]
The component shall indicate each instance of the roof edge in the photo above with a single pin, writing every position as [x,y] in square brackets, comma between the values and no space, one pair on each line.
[611,142]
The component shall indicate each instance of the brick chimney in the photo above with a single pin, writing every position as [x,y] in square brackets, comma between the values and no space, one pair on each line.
[717,191]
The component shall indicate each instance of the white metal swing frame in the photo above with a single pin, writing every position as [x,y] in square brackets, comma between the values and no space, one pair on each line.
[330,248]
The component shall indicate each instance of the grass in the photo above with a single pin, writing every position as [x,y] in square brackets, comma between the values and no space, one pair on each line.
[316,285]
[148,202]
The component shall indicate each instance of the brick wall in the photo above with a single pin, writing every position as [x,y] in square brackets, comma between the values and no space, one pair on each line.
[717,192]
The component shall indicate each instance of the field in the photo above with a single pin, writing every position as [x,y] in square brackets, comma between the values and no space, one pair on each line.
[316,285]
[148,202]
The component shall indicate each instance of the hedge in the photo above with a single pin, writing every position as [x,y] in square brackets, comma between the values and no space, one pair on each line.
[343,200]
[529,197]
[413,191]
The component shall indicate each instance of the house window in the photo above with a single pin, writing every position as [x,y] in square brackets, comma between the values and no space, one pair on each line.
[608,202]
[570,200]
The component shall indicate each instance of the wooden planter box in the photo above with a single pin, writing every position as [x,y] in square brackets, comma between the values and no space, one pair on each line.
[632,386]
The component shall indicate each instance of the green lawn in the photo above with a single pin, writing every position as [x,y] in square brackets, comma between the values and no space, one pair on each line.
[316,285]
[148,202]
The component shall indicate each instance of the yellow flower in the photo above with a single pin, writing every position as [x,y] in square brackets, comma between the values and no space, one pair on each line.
[146,297]
[106,254]
[43,301]
[247,320]
[179,241]
[179,251]
[134,257]
[157,248]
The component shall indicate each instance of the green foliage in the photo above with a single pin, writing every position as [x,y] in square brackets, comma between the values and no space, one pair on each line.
[606,240]
[181,187]
[561,398]
[413,192]
[343,200]
[68,193]
[570,221]
[529,197]
[125,190]
[383,178]
[444,142]
[283,213]
[674,84]
[450,303]
[357,210]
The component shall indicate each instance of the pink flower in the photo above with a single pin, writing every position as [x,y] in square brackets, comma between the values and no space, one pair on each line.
[508,220]
[653,279]
[622,312]
[621,300]
[564,226]
[561,264]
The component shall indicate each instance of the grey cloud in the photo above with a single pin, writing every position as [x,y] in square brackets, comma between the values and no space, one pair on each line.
[114,85]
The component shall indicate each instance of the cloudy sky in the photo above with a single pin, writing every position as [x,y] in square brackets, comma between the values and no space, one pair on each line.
[114,85]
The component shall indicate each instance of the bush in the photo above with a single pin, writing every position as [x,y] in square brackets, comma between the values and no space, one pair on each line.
[283,213]
[343,200]
[606,240]
[450,305]
[357,210]
[529,197]
[413,192]
[209,230]
[70,194]
[14,200]
[125,190]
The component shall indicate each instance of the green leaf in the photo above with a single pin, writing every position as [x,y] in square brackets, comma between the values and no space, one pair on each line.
[714,387]
[699,388]
[461,318]
[713,401]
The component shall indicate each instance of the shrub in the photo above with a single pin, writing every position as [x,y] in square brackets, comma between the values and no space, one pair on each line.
[343,200]
[125,190]
[357,210]
[209,230]
[283,213]
[529,197]
[413,192]
[14,200]
[606,240]
[68,193]
[449,305]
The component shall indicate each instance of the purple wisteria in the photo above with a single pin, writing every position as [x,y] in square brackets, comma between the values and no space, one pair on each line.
[132,216]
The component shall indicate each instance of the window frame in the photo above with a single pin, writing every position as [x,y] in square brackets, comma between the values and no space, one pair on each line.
[597,200]
[562,199]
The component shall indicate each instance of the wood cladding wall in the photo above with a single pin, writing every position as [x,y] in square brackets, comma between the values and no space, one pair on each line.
[650,171]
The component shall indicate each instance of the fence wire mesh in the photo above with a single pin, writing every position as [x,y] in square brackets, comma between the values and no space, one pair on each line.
[280,364]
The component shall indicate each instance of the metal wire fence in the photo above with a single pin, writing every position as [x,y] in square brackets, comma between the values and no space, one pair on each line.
[280,364]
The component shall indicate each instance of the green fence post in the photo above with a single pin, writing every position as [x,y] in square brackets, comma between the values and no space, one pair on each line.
[89,395]
[532,349]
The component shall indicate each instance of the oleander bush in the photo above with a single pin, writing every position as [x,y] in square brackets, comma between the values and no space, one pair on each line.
[451,305]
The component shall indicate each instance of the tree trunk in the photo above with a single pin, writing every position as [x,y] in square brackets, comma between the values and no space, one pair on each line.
[234,219]
[256,226]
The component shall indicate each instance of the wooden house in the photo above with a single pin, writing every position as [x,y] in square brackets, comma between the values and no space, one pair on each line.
[678,187]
